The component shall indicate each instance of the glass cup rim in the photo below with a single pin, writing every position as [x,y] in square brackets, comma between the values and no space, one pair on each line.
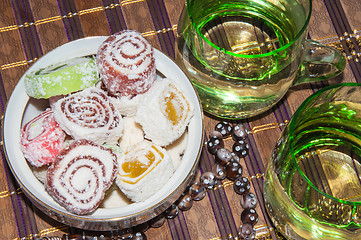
[298,35]
[291,137]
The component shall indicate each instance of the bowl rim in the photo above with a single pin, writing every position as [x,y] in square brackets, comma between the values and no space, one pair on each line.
[22,102]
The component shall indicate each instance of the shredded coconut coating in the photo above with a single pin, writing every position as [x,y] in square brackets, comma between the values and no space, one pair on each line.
[164,112]
[126,105]
[126,63]
[144,170]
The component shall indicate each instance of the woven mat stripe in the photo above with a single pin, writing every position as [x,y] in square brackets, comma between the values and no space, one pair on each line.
[255,166]
[206,163]
[161,21]
[178,227]
[115,16]
[347,26]
[343,28]
[11,182]
[282,111]
[29,36]
[218,199]
[22,207]
[3,98]
[226,208]
[15,199]
[72,24]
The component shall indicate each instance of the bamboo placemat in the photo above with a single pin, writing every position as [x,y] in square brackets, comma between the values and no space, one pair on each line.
[31,28]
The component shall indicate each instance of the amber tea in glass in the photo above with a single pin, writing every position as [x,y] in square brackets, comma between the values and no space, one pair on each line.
[242,56]
[312,183]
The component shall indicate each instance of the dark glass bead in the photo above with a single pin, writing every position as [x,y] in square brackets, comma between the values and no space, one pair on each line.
[239,132]
[219,184]
[171,212]
[197,191]
[219,170]
[241,185]
[224,128]
[158,221]
[240,148]
[214,143]
[215,133]
[233,170]
[248,200]
[185,202]
[246,231]
[234,157]
[143,227]
[125,234]
[223,156]
[139,236]
[208,179]
[250,216]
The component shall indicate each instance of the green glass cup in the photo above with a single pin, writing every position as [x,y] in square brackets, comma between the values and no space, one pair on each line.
[312,184]
[242,56]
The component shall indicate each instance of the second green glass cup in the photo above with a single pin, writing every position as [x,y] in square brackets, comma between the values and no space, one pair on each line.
[313,180]
[242,56]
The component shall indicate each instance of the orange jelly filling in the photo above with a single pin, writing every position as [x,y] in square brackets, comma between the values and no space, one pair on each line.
[171,109]
[135,168]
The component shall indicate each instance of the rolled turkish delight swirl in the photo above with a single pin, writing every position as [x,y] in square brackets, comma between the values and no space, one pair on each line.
[80,175]
[126,63]
[143,170]
[41,139]
[164,112]
[89,114]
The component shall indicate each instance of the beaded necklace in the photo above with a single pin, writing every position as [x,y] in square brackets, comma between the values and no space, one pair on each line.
[227,166]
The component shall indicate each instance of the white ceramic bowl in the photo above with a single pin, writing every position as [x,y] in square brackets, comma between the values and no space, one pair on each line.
[21,109]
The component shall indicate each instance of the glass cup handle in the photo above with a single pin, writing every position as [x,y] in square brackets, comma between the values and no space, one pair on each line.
[320,62]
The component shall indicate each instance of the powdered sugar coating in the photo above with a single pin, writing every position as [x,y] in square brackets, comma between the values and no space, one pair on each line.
[164,112]
[80,175]
[127,105]
[64,81]
[126,63]
[89,114]
[157,168]
[41,139]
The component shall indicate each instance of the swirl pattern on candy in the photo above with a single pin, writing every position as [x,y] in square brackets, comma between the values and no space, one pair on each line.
[164,112]
[41,139]
[80,175]
[144,170]
[89,114]
[126,63]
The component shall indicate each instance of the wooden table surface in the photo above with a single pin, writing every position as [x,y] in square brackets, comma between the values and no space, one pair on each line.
[31,28]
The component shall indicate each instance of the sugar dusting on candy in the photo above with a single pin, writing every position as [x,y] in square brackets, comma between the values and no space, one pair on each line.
[63,81]
[80,175]
[164,112]
[89,114]
[41,139]
[144,170]
[126,63]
